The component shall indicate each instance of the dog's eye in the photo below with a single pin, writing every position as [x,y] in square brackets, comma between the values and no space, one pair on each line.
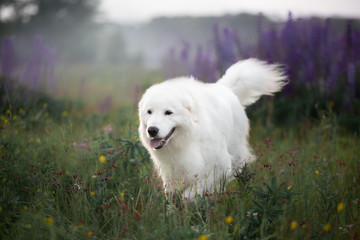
[168,112]
[149,112]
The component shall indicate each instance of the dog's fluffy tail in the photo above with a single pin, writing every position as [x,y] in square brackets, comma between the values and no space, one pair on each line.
[251,78]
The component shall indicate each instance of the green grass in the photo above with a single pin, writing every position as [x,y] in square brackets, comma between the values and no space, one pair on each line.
[95,83]
[65,174]
[53,186]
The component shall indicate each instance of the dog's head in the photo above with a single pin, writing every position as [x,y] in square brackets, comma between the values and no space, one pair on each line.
[165,114]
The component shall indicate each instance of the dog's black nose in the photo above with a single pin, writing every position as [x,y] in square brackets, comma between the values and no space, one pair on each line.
[153,131]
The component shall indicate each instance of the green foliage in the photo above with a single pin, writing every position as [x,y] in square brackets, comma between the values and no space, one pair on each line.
[79,176]
[305,105]
[266,208]
[30,108]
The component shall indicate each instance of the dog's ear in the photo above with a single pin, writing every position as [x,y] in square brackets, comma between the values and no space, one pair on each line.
[193,116]
[191,108]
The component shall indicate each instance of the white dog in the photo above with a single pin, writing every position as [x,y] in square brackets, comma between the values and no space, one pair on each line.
[197,132]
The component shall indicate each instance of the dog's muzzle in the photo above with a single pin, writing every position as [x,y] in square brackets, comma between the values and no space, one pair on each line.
[158,143]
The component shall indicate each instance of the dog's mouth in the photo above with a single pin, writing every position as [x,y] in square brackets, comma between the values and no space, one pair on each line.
[158,143]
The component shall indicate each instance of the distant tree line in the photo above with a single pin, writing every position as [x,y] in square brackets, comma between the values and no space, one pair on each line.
[66,25]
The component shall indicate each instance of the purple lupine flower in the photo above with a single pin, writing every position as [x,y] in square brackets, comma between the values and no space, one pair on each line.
[315,37]
[32,73]
[289,41]
[310,72]
[316,56]
[225,53]
[269,41]
[288,32]
[351,79]
[228,45]
[7,57]
[217,45]
[40,67]
[221,50]
[349,40]
[356,45]
[332,77]
[326,52]
[204,66]
[185,52]
[185,58]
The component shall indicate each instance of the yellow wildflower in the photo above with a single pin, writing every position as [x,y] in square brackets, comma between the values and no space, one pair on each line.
[21,110]
[31,140]
[340,207]
[26,208]
[28,226]
[8,111]
[92,193]
[64,113]
[229,220]
[44,105]
[317,172]
[293,225]
[122,194]
[102,158]
[90,233]
[289,187]
[15,117]
[49,220]
[203,237]
[327,227]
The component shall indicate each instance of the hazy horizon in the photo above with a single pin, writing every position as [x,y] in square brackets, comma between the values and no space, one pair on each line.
[136,11]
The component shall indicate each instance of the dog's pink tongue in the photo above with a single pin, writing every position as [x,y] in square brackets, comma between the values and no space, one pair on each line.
[156,143]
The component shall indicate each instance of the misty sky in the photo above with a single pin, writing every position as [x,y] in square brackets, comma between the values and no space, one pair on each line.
[125,11]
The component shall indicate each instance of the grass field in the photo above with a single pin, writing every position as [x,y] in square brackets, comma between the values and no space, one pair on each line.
[93,84]
[73,173]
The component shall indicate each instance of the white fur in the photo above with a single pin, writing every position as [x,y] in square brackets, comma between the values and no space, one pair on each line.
[252,78]
[211,126]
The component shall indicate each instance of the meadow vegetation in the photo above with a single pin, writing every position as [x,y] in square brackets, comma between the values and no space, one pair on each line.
[72,165]
[65,175]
